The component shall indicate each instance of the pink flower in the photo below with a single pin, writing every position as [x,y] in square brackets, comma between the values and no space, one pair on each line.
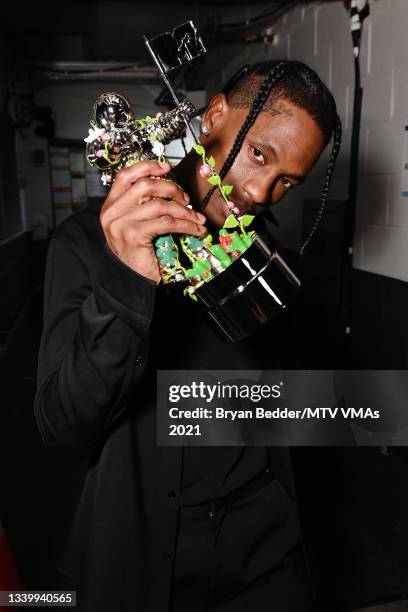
[100,153]
[105,136]
[230,205]
[235,210]
[206,170]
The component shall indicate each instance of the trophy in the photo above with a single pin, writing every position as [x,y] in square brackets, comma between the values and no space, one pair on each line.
[236,278]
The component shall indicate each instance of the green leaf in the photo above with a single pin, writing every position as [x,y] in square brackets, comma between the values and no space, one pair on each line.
[198,148]
[214,180]
[230,221]
[246,220]
[211,162]
[191,295]
[227,189]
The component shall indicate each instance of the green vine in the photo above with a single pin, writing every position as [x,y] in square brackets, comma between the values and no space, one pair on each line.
[214,178]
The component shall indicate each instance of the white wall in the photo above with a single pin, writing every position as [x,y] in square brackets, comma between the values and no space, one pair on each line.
[319,35]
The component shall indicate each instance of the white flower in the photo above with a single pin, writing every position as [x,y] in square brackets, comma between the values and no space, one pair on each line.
[106,179]
[158,148]
[94,134]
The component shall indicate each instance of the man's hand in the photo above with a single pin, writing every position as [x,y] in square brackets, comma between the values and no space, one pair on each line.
[141,206]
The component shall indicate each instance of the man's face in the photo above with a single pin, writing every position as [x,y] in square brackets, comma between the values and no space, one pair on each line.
[278,152]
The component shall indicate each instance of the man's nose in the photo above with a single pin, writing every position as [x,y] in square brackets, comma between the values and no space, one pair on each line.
[260,189]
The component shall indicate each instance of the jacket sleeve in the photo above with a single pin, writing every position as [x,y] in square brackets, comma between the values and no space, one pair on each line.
[93,347]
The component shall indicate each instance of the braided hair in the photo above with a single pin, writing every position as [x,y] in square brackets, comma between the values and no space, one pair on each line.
[297,83]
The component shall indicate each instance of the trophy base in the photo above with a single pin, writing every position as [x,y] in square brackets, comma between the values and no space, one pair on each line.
[255,288]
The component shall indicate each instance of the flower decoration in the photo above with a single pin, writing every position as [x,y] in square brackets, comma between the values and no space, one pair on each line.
[206,170]
[95,133]
[106,179]
[158,148]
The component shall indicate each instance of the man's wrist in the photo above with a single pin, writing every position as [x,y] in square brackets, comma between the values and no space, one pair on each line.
[123,286]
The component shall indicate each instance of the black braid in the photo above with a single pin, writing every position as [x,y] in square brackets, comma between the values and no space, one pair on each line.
[337,133]
[262,95]
[257,105]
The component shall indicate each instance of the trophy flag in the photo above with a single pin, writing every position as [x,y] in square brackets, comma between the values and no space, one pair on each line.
[173,49]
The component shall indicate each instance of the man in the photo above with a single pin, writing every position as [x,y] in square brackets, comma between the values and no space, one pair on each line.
[164,528]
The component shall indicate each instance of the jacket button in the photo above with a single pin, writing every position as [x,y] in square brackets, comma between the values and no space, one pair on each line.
[171,495]
[139,361]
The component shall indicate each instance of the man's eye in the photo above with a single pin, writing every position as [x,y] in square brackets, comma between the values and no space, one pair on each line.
[286,183]
[257,153]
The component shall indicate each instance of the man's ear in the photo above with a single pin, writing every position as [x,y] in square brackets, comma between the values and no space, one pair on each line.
[216,115]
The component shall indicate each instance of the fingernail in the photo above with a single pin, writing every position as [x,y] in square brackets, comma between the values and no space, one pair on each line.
[163,164]
[186,197]
[201,218]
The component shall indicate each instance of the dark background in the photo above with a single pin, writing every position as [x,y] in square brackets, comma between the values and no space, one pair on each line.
[357,499]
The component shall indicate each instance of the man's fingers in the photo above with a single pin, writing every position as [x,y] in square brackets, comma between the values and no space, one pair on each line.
[147,188]
[163,216]
[158,207]
[137,234]
[167,224]
[140,191]
[127,176]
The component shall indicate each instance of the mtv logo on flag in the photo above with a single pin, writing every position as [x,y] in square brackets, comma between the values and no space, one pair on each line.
[9,578]
[173,49]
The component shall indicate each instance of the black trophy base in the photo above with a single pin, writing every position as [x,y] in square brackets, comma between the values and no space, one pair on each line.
[255,288]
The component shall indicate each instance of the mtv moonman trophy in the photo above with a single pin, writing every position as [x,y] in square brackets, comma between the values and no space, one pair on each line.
[239,282]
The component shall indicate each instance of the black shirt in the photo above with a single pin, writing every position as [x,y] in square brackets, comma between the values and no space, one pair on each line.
[182,339]
[96,400]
